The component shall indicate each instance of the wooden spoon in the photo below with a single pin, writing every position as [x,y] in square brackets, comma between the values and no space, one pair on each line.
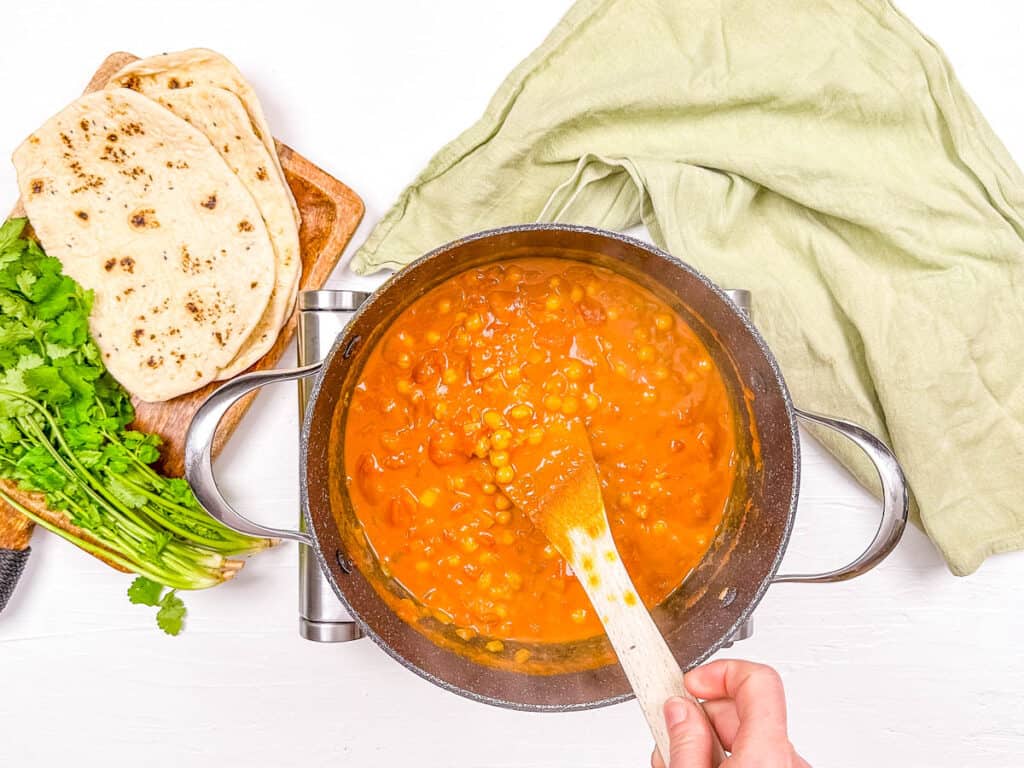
[559,489]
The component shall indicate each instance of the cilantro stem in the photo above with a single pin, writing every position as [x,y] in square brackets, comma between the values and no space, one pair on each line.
[227,544]
[106,553]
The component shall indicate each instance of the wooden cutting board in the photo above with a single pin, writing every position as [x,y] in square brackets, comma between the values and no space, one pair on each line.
[330,214]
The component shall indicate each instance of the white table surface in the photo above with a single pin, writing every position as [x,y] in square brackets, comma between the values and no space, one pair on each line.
[907,666]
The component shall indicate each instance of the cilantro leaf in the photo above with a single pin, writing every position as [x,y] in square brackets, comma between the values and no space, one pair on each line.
[171,615]
[144,591]
[10,232]
[44,383]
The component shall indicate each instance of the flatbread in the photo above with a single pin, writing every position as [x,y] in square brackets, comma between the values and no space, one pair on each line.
[221,117]
[154,75]
[140,208]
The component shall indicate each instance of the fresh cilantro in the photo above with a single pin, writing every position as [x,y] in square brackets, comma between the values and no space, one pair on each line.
[143,591]
[171,615]
[63,432]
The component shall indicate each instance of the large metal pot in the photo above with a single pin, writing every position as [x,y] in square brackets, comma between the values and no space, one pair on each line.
[699,617]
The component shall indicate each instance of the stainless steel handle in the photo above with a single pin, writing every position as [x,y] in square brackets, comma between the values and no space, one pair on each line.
[895,503]
[199,450]
[323,316]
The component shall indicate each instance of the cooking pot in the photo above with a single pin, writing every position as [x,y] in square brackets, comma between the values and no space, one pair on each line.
[697,619]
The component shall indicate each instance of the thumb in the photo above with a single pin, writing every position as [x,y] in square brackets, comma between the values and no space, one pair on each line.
[689,734]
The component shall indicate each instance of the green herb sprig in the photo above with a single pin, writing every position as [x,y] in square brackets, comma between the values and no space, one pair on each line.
[64,433]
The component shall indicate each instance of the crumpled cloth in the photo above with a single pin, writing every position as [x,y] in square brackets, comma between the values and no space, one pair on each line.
[818,152]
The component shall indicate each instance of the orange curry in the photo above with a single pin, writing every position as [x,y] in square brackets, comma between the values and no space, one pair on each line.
[479,367]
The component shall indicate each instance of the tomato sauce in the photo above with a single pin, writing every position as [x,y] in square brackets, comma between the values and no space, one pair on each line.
[470,376]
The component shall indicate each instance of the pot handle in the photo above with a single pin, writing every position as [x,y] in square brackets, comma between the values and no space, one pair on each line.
[199,450]
[894,503]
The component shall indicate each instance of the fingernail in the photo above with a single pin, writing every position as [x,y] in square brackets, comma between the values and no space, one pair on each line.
[675,711]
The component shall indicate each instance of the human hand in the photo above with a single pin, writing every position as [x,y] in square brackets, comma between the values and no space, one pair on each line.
[747,707]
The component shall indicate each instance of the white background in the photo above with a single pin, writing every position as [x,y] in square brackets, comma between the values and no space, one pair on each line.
[907,666]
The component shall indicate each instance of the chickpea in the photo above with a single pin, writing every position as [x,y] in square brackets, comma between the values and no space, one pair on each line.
[505,475]
[501,439]
[520,412]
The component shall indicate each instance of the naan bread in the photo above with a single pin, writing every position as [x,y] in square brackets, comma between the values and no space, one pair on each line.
[140,208]
[220,116]
[156,75]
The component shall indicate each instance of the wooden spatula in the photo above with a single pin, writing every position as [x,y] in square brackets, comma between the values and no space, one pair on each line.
[560,491]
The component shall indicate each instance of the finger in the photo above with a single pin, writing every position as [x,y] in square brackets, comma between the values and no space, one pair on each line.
[656,761]
[756,689]
[724,719]
[689,735]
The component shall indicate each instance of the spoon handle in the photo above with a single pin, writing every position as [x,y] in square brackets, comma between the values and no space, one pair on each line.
[645,657]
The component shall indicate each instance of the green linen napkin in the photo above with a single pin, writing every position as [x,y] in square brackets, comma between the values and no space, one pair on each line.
[818,152]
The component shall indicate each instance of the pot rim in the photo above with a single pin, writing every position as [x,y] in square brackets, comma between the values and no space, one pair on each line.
[343,341]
